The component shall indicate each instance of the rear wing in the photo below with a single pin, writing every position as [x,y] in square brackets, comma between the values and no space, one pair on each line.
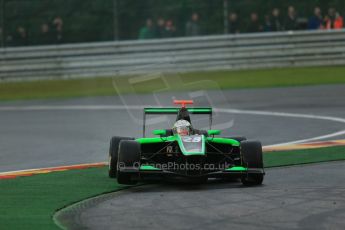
[176,110]
[157,111]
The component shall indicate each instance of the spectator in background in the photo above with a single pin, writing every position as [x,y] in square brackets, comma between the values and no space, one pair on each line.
[234,27]
[291,19]
[276,20]
[20,37]
[58,29]
[193,26]
[254,24]
[333,20]
[170,29]
[147,32]
[339,21]
[160,28]
[45,37]
[316,21]
[267,24]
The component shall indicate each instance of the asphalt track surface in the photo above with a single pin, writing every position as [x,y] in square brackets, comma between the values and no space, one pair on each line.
[299,197]
[49,133]
[62,132]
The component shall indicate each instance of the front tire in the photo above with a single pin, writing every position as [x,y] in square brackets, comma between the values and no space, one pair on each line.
[252,180]
[251,152]
[113,154]
[128,162]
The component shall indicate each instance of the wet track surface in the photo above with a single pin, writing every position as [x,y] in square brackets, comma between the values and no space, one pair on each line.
[53,133]
[300,197]
[47,137]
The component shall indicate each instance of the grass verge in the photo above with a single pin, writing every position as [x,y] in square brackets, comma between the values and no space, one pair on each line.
[283,77]
[30,202]
[305,156]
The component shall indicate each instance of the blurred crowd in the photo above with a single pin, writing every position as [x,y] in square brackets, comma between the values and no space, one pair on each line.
[275,22]
[272,22]
[165,28]
[50,32]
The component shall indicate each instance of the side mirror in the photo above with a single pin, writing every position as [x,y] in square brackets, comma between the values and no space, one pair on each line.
[160,132]
[213,132]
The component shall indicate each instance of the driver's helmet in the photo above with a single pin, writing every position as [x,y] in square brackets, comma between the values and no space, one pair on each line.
[182,127]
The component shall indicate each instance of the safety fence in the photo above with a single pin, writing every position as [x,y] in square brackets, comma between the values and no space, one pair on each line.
[222,52]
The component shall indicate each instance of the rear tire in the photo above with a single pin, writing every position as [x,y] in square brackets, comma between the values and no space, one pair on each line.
[251,152]
[128,158]
[113,154]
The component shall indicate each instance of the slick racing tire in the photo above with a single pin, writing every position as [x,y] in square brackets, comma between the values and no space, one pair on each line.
[251,152]
[128,162]
[113,154]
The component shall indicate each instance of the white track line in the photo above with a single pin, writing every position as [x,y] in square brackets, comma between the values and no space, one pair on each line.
[70,107]
[221,110]
[294,115]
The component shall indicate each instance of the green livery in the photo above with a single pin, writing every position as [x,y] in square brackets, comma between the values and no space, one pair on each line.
[177,138]
[185,152]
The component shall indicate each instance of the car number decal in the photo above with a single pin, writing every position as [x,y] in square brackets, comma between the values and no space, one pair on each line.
[194,139]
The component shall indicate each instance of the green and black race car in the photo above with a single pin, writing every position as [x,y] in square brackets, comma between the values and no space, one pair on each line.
[185,152]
